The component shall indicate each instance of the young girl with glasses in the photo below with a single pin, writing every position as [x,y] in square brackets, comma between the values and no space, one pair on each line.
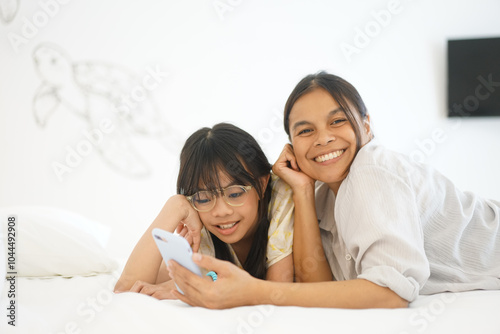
[228,206]
[373,228]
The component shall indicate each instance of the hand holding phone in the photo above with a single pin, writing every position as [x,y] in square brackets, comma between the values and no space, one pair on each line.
[175,247]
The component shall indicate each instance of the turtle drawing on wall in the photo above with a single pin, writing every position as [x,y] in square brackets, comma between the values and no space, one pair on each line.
[97,91]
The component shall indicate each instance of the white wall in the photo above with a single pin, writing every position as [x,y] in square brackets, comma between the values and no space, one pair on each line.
[237,65]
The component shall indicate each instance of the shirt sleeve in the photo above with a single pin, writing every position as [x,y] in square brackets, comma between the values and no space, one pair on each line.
[378,219]
[280,235]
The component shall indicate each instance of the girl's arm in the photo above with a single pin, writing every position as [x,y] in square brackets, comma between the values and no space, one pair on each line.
[235,287]
[144,264]
[159,291]
[308,255]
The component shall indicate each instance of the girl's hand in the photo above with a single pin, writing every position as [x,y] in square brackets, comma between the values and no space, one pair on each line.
[190,224]
[145,262]
[183,231]
[232,288]
[287,169]
[159,291]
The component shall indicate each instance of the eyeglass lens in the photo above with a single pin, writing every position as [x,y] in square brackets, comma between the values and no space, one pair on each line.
[233,195]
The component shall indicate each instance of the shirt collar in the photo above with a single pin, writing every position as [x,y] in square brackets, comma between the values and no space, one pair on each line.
[325,205]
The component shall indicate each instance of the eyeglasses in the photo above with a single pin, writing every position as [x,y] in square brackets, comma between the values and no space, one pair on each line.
[204,201]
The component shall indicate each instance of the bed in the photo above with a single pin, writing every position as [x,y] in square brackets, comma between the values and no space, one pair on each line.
[64,280]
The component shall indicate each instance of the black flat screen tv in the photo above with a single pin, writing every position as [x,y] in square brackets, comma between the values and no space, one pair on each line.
[474,77]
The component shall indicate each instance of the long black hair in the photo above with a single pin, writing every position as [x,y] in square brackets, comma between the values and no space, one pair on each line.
[231,150]
[343,93]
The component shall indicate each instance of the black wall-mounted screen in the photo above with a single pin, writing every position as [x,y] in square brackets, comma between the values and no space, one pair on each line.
[474,77]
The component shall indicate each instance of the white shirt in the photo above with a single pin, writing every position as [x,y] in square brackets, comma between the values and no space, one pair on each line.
[403,225]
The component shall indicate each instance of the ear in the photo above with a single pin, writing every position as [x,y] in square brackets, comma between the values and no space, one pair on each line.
[264,180]
[367,126]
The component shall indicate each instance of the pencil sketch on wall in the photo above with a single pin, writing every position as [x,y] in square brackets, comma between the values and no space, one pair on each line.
[97,91]
[8,10]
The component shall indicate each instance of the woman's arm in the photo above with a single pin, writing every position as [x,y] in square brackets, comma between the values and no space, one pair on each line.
[281,271]
[308,255]
[236,287]
[144,263]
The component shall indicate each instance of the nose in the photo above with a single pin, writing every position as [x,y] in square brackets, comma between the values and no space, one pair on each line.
[221,208]
[323,137]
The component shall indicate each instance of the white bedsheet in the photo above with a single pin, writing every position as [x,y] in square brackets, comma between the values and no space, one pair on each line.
[87,305]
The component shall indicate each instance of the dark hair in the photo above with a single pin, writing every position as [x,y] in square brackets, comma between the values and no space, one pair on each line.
[342,91]
[228,149]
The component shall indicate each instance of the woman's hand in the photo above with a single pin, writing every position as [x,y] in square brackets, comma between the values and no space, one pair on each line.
[159,291]
[234,286]
[287,169]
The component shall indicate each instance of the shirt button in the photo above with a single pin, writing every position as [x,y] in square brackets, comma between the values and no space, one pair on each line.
[348,257]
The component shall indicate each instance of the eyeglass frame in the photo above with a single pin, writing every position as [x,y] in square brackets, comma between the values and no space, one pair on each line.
[190,198]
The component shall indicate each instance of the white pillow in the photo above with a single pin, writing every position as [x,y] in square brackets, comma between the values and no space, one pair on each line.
[52,241]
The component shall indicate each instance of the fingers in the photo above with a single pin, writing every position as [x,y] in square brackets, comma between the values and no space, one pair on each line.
[209,262]
[159,291]
[293,162]
[203,291]
[148,289]
[137,287]
[177,295]
[183,277]
[143,288]
[196,289]
[196,241]
[179,227]
[189,238]
[192,284]
[189,235]
[191,229]
[182,230]
[285,161]
[163,294]
[290,156]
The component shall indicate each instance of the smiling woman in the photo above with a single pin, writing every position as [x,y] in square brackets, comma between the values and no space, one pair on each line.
[382,218]
[326,137]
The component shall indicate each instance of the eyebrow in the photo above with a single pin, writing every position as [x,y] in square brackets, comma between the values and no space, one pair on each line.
[300,123]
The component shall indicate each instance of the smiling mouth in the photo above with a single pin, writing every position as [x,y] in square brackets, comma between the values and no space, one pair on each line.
[329,156]
[227,226]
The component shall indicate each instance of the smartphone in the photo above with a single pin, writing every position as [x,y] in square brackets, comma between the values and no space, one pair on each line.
[175,247]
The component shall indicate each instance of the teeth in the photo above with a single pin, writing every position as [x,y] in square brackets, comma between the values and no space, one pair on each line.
[326,157]
[225,227]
